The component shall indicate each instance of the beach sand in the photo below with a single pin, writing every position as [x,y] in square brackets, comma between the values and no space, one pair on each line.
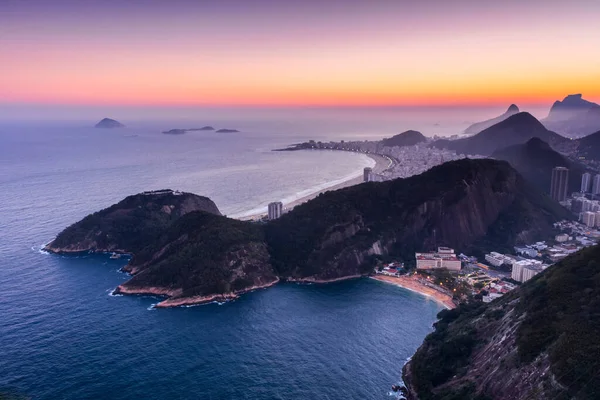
[410,283]
[381,164]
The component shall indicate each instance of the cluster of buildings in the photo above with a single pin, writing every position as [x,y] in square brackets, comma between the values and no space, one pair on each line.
[392,269]
[496,289]
[444,258]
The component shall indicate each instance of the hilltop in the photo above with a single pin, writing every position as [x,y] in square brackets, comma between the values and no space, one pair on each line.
[109,123]
[190,253]
[408,138]
[479,126]
[131,224]
[537,342]
[574,116]
[589,146]
[516,129]
[535,161]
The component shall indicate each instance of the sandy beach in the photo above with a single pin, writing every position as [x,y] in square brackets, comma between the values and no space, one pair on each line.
[381,164]
[412,284]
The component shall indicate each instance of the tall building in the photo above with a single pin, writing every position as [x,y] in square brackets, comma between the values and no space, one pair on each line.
[586,182]
[275,210]
[367,174]
[559,183]
[596,184]
[598,219]
[589,218]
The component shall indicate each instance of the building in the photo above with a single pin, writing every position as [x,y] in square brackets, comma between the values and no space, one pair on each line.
[275,210]
[497,259]
[589,218]
[367,174]
[586,182]
[559,183]
[524,270]
[563,237]
[596,184]
[598,219]
[444,258]
[526,251]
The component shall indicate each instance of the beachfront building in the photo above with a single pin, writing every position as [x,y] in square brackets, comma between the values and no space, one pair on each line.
[444,258]
[367,174]
[275,210]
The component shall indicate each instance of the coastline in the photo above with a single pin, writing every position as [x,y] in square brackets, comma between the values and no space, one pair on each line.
[381,164]
[416,287]
[171,302]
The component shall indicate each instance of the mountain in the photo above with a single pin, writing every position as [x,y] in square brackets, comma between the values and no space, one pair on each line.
[540,341]
[516,129]
[479,126]
[191,254]
[129,225]
[589,146]
[470,205]
[408,138]
[202,257]
[535,161]
[109,123]
[574,117]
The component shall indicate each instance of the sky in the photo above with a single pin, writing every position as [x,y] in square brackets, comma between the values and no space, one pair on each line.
[297,52]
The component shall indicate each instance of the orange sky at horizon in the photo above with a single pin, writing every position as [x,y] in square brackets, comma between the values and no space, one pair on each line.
[351,61]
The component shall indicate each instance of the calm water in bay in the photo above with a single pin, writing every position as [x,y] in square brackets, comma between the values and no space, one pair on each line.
[62,336]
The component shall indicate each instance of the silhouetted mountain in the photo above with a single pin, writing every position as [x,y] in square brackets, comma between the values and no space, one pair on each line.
[535,160]
[516,129]
[574,117]
[109,123]
[538,342]
[589,146]
[408,138]
[479,126]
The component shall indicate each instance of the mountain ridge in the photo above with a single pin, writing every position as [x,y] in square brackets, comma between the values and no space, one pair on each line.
[479,126]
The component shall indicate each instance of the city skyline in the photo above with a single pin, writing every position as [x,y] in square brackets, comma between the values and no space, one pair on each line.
[268,53]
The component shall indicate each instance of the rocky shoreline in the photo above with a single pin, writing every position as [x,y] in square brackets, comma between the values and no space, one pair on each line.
[174,301]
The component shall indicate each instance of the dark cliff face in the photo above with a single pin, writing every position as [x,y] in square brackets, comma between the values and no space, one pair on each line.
[589,146]
[201,255]
[461,204]
[131,224]
[537,342]
[516,129]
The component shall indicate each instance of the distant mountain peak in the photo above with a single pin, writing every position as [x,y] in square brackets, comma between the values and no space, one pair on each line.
[513,109]
[480,126]
[109,123]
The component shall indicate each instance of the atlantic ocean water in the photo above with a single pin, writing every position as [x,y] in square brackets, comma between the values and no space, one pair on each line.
[63,336]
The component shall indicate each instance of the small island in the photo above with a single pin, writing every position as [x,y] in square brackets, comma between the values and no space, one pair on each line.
[108,123]
[180,131]
[227,131]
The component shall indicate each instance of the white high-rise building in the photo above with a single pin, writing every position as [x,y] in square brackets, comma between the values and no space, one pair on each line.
[596,184]
[586,181]
[367,174]
[589,218]
[275,210]
[598,219]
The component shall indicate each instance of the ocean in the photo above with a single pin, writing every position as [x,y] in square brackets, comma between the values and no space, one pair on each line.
[62,334]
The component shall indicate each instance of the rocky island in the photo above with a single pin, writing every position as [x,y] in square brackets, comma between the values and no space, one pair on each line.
[108,123]
[180,131]
[185,250]
[224,130]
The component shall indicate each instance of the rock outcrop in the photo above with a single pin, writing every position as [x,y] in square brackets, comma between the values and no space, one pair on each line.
[408,138]
[537,342]
[479,126]
[573,117]
[108,123]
